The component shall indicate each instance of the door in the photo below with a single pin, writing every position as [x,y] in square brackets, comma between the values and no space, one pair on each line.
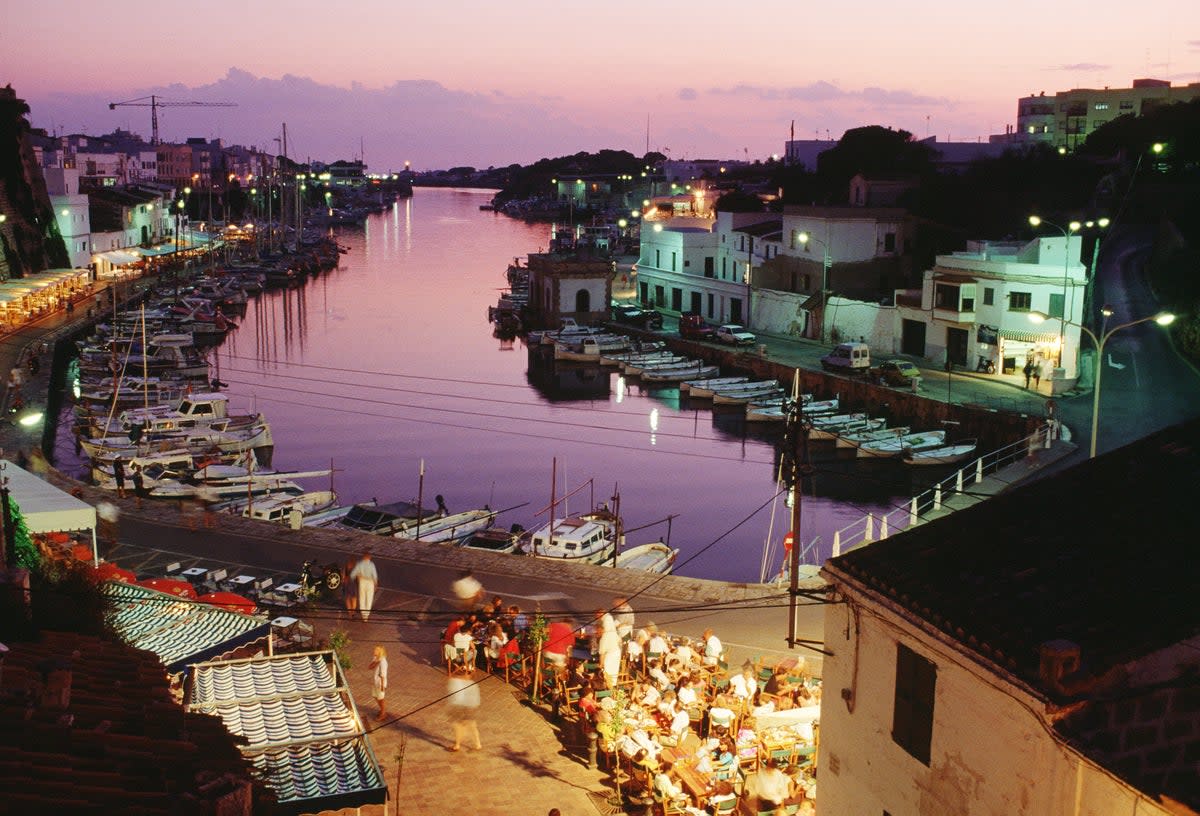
[676,299]
[735,310]
[583,301]
[912,338]
[696,302]
[956,346]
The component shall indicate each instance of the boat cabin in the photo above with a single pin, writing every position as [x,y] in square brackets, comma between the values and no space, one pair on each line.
[572,537]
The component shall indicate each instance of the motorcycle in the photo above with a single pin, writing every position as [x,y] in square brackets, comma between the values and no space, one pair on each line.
[986,365]
[316,579]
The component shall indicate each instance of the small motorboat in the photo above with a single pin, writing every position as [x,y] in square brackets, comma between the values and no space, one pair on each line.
[852,439]
[944,455]
[495,539]
[653,557]
[452,527]
[900,445]
[706,386]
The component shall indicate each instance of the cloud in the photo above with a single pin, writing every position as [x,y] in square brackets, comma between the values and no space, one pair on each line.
[688,94]
[414,120]
[1082,66]
[827,92]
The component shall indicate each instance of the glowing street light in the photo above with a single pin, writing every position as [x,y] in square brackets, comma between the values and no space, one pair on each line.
[1162,319]
[1074,226]
[826,261]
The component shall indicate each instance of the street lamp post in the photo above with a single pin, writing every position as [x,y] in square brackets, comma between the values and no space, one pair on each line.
[1098,342]
[804,238]
[1035,221]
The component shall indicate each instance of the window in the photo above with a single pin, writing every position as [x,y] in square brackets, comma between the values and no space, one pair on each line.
[658,258]
[1020,301]
[710,304]
[673,268]
[889,242]
[912,715]
[676,299]
[1055,309]
[989,296]
[1101,106]
[708,268]
[945,297]
[1126,106]
[968,304]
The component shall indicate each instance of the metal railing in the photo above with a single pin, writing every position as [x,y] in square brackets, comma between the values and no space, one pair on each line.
[938,498]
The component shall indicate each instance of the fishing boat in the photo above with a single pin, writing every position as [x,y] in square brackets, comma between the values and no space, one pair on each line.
[291,510]
[830,425]
[815,408]
[761,394]
[852,439]
[766,411]
[944,455]
[653,557]
[636,367]
[589,538]
[699,390]
[902,444]
[687,386]
[452,527]
[494,539]
[589,349]
[679,373]
[379,519]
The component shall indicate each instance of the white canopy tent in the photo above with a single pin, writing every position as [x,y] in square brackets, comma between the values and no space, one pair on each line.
[45,508]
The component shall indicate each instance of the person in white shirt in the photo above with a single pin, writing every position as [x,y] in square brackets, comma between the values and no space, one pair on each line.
[685,653]
[744,684]
[686,694]
[712,648]
[464,642]
[368,578]
[623,613]
[657,645]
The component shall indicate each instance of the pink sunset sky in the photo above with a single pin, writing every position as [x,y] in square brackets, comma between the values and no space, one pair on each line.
[482,84]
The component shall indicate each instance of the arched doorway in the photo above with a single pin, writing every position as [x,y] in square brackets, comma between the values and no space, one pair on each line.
[583,301]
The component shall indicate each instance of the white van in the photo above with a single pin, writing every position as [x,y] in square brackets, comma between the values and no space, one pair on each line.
[849,358]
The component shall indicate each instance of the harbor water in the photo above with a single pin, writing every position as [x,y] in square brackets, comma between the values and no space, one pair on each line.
[387,366]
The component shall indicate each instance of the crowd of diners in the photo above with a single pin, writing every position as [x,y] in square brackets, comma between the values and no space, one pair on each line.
[672,719]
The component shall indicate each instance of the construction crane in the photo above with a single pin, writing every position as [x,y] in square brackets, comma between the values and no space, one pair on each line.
[153,102]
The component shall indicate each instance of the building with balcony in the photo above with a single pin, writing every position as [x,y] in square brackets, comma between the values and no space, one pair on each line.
[71,212]
[990,663]
[1065,119]
[978,303]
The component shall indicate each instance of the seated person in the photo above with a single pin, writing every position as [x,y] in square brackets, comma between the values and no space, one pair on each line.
[657,645]
[495,642]
[660,678]
[686,695]
[779,688]
[725,759]
[719,717]
[464,644]
[685,652]
[723,791]
[667,788]
[744,684]
[448,636]
[560,637]
[635,648]
[712,648]
[649,696]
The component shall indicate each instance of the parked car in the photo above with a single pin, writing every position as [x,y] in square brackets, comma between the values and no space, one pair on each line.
[735,335]
[849,358]
[693,327]
[896,372]
[637,316]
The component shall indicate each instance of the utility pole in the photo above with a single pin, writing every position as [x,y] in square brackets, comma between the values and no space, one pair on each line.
[795,467]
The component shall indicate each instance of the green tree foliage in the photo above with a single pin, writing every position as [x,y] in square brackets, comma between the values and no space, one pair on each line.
[739,202]
[26,552]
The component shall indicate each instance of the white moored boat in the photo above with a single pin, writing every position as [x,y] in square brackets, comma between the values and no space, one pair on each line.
[944,455]
[679,373]
[653,557]
[453,527]
[766,411]
[589,538]
[706,386]
[852,439]
[902,444]
[291,510]
[831,425]
[634,367]
[710,391]
[761,394]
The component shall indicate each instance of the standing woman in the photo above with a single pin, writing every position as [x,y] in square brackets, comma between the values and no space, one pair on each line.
[379,680]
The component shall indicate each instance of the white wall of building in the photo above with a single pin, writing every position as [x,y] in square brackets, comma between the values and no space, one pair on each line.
[850,238]
[75,226]
[992,750]
[568,291]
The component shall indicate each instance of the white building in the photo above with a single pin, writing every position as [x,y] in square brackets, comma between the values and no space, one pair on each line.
[70,213]
[979,302]
[1004,660]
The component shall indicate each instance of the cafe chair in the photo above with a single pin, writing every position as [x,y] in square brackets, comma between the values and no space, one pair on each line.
[724,805]
[670,807]
[460,658]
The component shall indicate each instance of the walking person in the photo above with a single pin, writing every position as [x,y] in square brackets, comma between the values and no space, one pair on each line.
[119,476]
[1037,376]
[467,590]
[139,485]
[463,698]
[349,590]
[367,576]
[1028,371]
[379,680]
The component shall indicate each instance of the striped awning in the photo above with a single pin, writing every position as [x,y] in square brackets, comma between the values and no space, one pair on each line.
[118,257]
[1021,336]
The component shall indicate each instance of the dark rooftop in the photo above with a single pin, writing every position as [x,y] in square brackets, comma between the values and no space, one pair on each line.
[1103,555]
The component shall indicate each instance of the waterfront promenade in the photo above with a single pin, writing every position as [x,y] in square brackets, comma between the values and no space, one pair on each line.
[527,765]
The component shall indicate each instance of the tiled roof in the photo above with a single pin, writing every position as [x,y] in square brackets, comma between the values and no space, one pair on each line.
[1103,555]
[300,726]
[121,744]
[179,631]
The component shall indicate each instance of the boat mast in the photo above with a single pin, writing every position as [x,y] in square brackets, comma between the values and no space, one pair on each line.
[420,497]
[553,501]
[616,500]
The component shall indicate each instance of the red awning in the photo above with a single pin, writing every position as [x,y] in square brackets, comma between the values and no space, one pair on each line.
[230,601]
[170,586]
[108,571]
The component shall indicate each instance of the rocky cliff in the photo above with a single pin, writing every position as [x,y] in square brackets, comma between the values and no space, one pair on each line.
[29,236]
